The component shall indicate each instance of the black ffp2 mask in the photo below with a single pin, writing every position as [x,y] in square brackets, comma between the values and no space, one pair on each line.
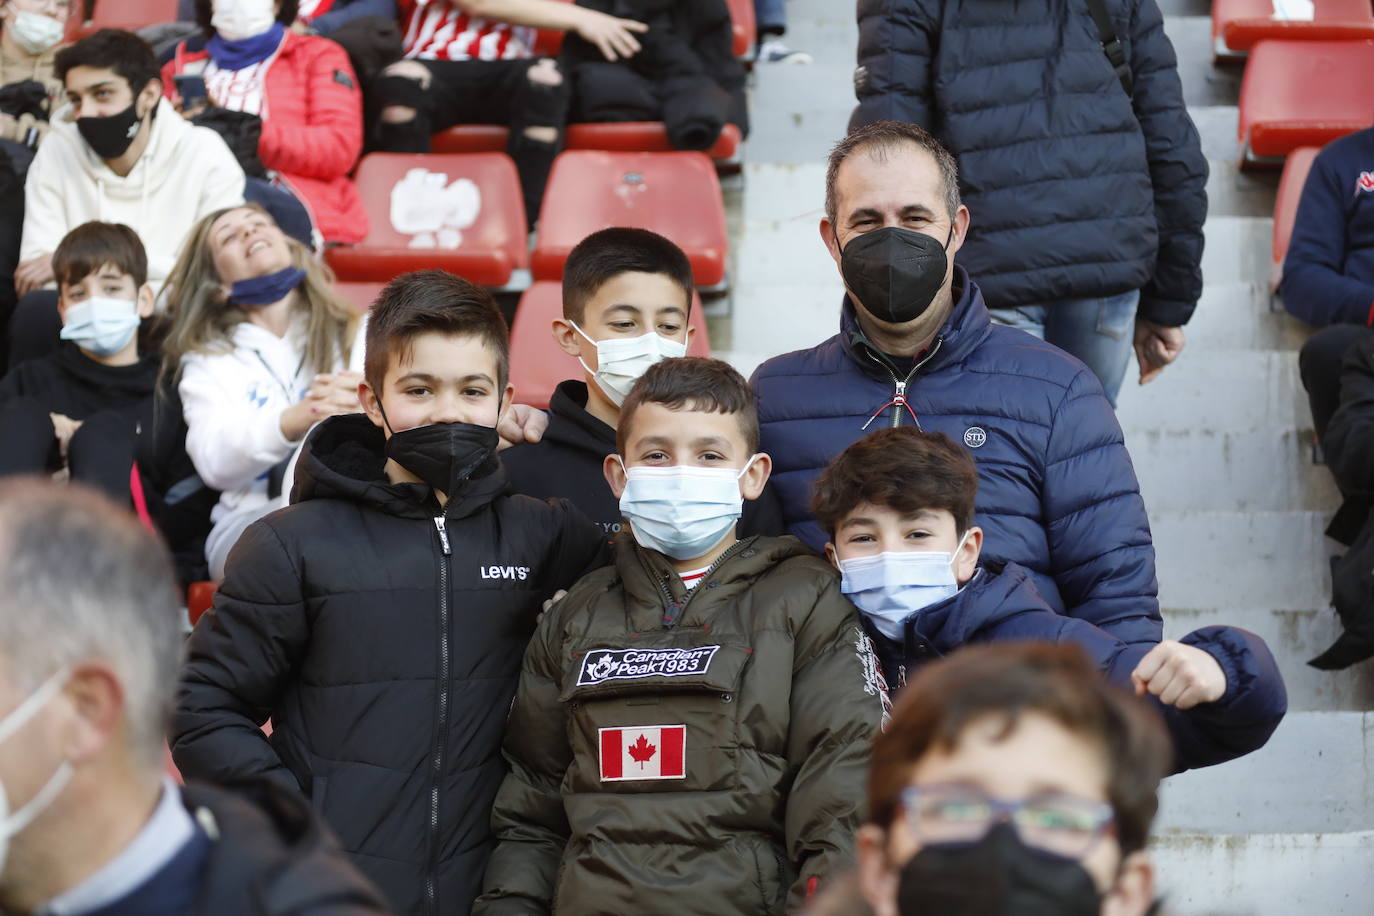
[895,272]
[111,136]
[997,876]
[443,455]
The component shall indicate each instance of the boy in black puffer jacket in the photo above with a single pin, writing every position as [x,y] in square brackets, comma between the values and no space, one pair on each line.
[380,620]
[898,505]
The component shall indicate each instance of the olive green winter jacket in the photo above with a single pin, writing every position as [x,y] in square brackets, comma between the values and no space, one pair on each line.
[684,753]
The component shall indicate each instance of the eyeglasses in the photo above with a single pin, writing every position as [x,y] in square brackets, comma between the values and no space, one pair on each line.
[1063,825]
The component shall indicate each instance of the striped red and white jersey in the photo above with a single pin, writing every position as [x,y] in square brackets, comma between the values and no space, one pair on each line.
[309,9]
[437,30]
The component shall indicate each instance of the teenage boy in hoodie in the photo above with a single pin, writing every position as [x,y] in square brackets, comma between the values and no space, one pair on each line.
[117,152]
[380,620]
[627,300]
[95,405]
[692,724]
[899,506]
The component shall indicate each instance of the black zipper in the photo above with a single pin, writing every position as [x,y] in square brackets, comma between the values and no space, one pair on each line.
[441,718]
[899,386]
[672,611]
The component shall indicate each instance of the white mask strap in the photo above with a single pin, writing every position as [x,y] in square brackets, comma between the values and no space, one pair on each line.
[35,701]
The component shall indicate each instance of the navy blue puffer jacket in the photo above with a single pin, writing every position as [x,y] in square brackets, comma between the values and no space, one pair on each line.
[1076,189]
[1056,490]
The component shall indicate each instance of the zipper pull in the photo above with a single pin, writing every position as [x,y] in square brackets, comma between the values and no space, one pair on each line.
[443,534]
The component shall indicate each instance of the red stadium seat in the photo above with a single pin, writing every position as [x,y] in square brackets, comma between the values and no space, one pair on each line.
[675,194]
[1238,24]
[1295,169]
[1303,93]
[538,364]
[490,244]
[742,25]
[620,136]
[129,14]
[199,597]
[470,138]
[361,295]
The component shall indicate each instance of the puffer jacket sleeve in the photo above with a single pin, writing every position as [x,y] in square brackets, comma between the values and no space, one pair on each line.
[1315,288]
[1178,171]
[327,143]
[1349,439]
[893,82]
[839,701]
[240,656]
[1101,554]
[528,818]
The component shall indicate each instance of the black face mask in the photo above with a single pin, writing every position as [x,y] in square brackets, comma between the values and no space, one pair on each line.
[996,876]
[443,455]
[112,135]
[895,272]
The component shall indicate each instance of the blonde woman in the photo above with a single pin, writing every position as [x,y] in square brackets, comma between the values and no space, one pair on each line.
[263,349]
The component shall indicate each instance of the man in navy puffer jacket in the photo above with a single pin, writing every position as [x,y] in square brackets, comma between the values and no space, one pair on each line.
[1089,196]
[1057,493]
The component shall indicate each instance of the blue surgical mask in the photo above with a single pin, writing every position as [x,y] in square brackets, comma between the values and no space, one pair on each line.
[257,291]
[891,586]
[682,512]
[101,325]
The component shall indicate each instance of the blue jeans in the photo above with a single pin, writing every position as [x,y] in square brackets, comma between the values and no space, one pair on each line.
[1100,332]
[770,16]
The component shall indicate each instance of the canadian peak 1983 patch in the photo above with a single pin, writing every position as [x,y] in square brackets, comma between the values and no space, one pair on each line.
[601,665]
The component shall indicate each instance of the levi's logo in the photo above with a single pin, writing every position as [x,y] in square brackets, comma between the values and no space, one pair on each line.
[1365,182]
[520,573]
[643,752]
[621,664]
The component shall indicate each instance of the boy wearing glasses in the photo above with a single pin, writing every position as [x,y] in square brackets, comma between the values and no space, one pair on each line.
[1013,780]
[898,506]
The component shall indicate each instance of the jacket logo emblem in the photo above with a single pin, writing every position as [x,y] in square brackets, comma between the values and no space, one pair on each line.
[1365,182]
[975,437]
[627,664]
[875,682]
[519,573]
[644,752]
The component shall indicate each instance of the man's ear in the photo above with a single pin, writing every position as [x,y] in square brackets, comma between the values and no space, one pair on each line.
[1134,891]
[877,878]
[368,398]
[569,341]
[828,237]
[961,224]
[615,474]
[751,484]
[146,301]
[966,560]
[97,699]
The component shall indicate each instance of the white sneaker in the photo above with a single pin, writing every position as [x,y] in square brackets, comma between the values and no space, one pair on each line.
[773,51]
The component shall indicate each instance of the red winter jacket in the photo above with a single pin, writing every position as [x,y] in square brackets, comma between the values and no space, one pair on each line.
[314,129]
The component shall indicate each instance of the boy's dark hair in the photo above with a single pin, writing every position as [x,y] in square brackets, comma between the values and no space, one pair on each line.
[431,300]
[205,11]
[885,136]
[903,469]
[111,49]
[615,251]
[91,246]
[692,383]
[1010,679]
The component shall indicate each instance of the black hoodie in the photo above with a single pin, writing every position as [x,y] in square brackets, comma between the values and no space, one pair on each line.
[566,463]
[383,636]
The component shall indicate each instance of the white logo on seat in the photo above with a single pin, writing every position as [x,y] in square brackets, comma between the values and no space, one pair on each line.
[431,211]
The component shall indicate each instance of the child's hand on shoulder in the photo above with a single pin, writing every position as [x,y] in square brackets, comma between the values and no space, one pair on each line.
[1181,676]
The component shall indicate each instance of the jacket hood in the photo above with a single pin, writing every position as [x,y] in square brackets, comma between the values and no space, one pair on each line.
[580,430]
[645,573]
[996,592]
[269,848]
[965,328]
[157,165]
[138,379]
[344,458]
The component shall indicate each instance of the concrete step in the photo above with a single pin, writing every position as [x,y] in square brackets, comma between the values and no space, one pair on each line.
[1243,562]
[1234,193]
[1238,249]
[1293,637]
[1206,468]
[1221,390]
[1203,84]
[1218,126]
[1240,316]
[1279,874]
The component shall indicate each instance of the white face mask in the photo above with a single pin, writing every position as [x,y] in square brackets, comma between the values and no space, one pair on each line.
[681,511]
[36,33]
[235,20]
[102,325]
[12,824]
[620,361]
[891,586]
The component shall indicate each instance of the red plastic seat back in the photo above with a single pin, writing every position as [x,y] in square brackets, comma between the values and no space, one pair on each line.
[620,136]
[361,295]
[538,364]
[1291,183]
[129,14]
[1237,25]
[742,26]
[487,249]
[674,194]
[1304,93]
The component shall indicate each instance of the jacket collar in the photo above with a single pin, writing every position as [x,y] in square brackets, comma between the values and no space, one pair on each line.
[578,429]
[966,327]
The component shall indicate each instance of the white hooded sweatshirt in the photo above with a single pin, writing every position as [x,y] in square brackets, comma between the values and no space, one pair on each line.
[185,173]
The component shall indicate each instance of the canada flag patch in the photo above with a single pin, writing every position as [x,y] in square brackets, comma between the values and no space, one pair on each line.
[643,752]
